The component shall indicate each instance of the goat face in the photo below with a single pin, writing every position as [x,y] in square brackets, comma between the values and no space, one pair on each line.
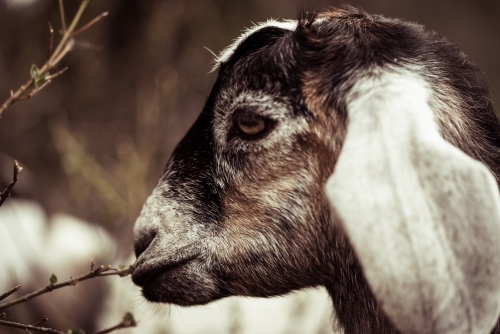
[241,208]
[238,212]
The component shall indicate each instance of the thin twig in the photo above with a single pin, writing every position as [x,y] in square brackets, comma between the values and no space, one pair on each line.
[99,272]
[48,81]
[127,321]
[6,192]
[67,48]
[34,91]
[114,328]
[51,42]
[65,45]
[63,17]
[55,75]
[14,96]
[11,291]
[30,327]
[41,321]
[90,24]
[66,36]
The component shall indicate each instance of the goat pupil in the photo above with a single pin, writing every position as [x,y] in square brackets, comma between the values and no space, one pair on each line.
[250,125]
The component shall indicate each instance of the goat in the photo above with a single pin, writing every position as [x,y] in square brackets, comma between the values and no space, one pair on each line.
[346,150]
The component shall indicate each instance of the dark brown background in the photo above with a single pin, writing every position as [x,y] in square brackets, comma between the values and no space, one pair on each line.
[95,141]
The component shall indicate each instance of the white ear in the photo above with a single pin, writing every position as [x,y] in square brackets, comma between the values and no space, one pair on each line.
[422,216]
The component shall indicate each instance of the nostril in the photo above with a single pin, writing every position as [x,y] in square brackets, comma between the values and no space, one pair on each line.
[142,241]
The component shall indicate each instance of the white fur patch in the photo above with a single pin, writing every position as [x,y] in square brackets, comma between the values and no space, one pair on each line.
[393,90]
[422,216]
[228,51]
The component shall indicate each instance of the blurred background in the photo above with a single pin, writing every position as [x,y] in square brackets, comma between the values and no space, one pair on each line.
[94,142]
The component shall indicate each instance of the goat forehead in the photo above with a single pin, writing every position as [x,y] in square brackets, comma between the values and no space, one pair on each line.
[224,56]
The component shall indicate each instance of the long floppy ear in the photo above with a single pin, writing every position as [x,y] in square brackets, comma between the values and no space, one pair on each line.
[422,216]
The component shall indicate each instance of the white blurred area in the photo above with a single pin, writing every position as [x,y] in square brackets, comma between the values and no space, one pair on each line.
[61,243]
[33,246]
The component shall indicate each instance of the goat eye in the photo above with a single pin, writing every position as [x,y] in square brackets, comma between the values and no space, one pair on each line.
[250,124]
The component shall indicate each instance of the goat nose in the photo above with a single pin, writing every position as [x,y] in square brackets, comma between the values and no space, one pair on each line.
[142,241]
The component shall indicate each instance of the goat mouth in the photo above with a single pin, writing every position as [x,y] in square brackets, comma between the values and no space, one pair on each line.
[177,282]
[147,272]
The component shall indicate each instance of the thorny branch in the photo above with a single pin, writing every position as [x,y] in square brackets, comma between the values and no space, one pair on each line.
[30,327]
[41,77]
[99,272]
[6,192]
[127,320]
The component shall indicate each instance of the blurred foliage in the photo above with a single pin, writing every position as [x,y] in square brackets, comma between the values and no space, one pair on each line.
[97,138]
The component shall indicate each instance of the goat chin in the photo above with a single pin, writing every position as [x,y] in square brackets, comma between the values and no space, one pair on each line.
[344,150]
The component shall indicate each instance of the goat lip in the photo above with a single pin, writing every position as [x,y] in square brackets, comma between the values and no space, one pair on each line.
[146,272]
